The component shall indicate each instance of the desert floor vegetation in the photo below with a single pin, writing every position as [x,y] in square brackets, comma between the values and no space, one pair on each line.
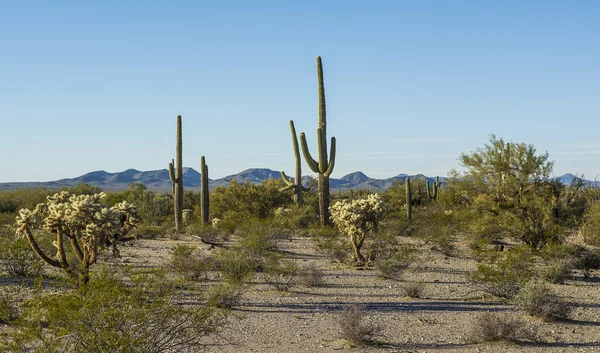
[493,261]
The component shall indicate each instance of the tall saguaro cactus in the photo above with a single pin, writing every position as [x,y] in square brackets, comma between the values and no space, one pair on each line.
[323,167]
[408,198]
[296,184]
[204,206]
[433,193]
[176,175]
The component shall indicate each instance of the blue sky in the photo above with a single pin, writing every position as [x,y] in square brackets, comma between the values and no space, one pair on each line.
[90,86]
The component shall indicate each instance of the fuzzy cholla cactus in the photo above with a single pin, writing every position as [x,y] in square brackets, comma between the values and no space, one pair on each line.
[356,218]
[89,226]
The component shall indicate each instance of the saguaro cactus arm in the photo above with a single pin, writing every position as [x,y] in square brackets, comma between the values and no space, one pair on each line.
[331,158]
[312,164]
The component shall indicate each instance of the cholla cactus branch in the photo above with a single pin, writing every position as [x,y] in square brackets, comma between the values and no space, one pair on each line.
[356,218]
[89,225]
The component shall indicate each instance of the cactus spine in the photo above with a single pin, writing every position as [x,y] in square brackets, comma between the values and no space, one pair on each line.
[204,190]
[408,198]
[323,167]
[176,175]
[433,193]
[296,184]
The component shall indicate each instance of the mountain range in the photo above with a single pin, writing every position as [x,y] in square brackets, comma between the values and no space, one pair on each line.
[158,180]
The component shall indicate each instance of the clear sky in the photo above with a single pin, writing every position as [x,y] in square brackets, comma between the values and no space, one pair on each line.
[96,85]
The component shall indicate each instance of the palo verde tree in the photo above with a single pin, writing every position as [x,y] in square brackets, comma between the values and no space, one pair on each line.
[81,220]
[511,189]
[504,170]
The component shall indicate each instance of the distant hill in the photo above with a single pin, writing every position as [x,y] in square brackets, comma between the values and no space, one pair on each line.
[158,180]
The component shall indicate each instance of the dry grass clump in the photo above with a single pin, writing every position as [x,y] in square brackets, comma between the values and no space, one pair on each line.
[491,327]
[354,327]
[414,289]
[311,276]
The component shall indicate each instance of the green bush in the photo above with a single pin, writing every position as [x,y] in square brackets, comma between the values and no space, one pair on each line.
[590,228]
[110,315]
[332,244]
[225,295]
[283,274]
[17,257]
[503,274]
[8,310]
[187,261]
[257,200]
[236,266]
[537,299]
[394,265]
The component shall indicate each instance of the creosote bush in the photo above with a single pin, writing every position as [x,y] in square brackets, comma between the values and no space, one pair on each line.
[491,327]
[537,299]
[111,315]
[503,274]
[394,265]
[590,229]
[190,263]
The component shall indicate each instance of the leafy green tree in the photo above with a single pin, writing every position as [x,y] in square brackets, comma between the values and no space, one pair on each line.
[504,170]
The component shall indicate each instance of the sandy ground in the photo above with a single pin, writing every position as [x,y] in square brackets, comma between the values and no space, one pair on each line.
[305,319]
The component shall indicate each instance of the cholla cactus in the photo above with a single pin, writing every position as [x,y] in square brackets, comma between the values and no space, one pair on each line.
[356,218]
[89,226]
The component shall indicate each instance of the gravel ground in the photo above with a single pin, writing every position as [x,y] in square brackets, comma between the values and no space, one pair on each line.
[305,319]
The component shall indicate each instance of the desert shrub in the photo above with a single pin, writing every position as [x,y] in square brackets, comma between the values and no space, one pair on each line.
[208,232]
[357,218]
[17,257]
[354,327]
[435,226]
[394,265]
[190,263]
[257,200]
[311,276]
[557,270]
[236,266]
[148,231]
[8,309]
[590,228]
[110,315]
[295,217]
[580,257]
[503,274]
[331,243]
[537,299]
[413,289]
[258,238]
[282,274]
[225,295]
[572,202]
[491,327]
[533,222]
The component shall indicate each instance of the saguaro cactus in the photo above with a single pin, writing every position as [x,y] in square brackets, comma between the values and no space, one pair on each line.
[433,193]
[296,184]
[204,206]
[323,167]
[408,198]
[176,175]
